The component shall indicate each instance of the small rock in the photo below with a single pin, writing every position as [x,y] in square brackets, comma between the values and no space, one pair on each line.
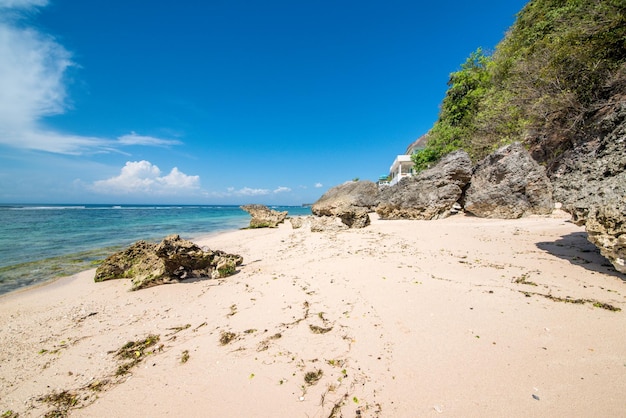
[264,217]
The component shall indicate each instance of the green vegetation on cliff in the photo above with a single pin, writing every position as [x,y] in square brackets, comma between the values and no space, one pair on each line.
[557,63]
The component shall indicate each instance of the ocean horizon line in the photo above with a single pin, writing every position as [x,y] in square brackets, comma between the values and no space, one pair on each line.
[44,205]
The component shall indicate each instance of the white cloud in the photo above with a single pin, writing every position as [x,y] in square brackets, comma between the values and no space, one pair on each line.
[145,178]
[318,185]
[178,179]
[32,86]
[31,76]
[247,191]
[22,4]
[134,139]
[47,140]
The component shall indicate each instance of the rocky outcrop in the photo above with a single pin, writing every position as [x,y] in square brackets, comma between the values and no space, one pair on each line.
[264,217]
[508,184]
[361,193]
[170,261]
[606,229]
[351,202]
[590,181]
[429,195]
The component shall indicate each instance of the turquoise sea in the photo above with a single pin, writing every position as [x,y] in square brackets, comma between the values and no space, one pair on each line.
[41,242]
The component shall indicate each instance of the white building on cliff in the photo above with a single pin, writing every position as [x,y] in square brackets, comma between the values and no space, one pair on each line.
[403,165]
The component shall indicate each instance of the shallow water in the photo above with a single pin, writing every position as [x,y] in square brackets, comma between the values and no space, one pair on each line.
[40,242]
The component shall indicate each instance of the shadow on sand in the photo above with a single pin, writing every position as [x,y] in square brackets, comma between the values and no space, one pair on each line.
[576,249]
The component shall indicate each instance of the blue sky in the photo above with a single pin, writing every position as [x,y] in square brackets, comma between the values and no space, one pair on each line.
[221,102]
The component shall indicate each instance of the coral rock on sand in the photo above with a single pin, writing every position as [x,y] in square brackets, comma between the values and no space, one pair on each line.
[264,217]
[319,223]
[327,224]
[172,260]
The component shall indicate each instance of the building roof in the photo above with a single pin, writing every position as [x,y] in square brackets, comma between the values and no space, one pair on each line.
[401,160]
[417,145]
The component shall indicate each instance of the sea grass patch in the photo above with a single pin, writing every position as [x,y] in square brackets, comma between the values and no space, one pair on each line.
[595,303]
[311,378]
[133,352]
[129,355]
[319,330]
[176,330]
[226,337]
[265,344]
[61,401]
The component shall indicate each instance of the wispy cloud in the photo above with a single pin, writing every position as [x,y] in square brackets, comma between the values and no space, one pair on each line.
[134,139]
[22,4]
[318,185]
[31,80]
[249,191]
[143,177]
[33,86]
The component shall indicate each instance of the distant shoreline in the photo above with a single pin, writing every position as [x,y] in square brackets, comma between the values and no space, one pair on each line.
[65,239]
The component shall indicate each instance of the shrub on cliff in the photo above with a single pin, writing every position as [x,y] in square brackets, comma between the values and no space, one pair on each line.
[552,67]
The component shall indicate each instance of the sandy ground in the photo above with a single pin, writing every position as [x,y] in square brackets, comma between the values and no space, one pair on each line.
[459,317]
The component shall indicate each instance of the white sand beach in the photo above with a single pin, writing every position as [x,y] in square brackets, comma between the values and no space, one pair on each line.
[459,317]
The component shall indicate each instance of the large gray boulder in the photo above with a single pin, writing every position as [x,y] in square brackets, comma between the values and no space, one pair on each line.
[429,195]
[351,202]
[170,261]
[264,217]
[509,184]
[361,193]
[590,181]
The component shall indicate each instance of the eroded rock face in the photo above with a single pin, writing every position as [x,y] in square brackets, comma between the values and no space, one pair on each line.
[351,202]
[429,195]
[264,217]
[590,181]
[606,229]
[354,216]
[509,184]
[172,260]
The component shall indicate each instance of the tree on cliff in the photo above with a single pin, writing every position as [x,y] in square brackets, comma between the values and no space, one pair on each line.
[468,87]
[552,68]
